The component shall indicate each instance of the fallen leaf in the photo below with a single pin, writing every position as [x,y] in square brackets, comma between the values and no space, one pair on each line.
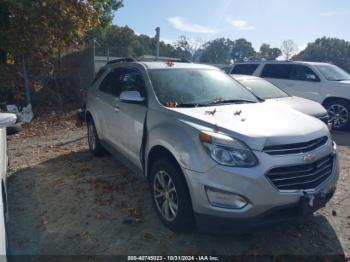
[170,104]
[210,112]
[147,236]
[84,233]
[237,113]
[120,204]
[99,216]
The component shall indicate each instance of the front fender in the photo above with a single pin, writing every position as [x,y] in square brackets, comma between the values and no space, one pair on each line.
[182,141]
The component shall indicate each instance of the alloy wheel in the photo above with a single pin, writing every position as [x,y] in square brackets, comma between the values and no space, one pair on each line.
[165,195]
[339,115]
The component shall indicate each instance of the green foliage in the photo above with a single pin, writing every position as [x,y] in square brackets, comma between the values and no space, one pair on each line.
[268,53]
[217,51]
[42,30]
[123,42]
[224,50]
[242,50]
[331,50]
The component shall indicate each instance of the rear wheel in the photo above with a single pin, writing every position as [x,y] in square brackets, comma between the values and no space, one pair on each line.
[170,195]
[339,113]
[94,142]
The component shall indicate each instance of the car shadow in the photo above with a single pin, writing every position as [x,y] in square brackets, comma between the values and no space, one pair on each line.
[78,205]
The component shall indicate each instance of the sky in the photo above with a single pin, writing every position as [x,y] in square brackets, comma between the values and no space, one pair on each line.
[259,21]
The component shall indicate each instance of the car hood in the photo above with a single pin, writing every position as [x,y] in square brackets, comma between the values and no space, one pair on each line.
[257,125]
[303,105]
[345,81]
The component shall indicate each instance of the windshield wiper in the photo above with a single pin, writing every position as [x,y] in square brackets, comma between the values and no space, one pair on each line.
[231,101]
[191,105]
[216,102]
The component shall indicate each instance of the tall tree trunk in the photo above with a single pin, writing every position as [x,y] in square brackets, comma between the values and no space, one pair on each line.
[26,82]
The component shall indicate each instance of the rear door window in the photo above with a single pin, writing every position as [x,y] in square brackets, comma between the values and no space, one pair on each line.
[280,71]
[289,72]
[244,69]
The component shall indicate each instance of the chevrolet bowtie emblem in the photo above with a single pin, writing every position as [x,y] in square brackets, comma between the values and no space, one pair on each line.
[309,158]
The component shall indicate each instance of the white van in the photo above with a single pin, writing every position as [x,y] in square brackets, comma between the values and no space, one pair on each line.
[324,83]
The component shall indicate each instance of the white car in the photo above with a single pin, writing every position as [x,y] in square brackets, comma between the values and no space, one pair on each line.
[270,93]
[324,83]
[5,121]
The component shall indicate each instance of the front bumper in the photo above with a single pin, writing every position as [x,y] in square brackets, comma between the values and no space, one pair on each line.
[291,212]
[252,184]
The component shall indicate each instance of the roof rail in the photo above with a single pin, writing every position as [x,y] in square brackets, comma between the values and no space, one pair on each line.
[122,60]
[149,58]
[265,61]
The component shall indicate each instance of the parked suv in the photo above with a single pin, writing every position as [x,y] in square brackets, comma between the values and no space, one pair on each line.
[212,153]
[324,83]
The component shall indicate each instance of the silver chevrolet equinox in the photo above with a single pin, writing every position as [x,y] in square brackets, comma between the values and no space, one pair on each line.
[214,155]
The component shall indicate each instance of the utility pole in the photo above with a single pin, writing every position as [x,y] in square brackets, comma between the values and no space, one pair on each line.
[157,42]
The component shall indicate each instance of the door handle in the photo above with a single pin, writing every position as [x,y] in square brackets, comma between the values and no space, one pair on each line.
[116,108]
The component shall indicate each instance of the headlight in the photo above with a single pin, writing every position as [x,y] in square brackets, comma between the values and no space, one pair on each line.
[227,151]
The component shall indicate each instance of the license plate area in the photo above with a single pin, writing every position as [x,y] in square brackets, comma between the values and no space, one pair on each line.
[311,203]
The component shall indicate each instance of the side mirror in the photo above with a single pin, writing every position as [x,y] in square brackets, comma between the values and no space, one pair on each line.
[7,119]
[131,97]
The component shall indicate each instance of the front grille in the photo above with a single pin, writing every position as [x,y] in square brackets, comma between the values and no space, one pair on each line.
[302,177]
[296,148]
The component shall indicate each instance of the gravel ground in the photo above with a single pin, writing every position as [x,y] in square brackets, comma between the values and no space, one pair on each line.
[64,201]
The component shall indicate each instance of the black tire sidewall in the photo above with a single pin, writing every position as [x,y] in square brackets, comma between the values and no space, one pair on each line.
[184,219]
[98,150]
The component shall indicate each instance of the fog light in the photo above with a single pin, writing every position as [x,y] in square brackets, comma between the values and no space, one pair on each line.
[224,199]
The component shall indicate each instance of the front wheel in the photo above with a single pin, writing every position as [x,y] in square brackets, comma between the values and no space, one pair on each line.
[170,195]
[339,114]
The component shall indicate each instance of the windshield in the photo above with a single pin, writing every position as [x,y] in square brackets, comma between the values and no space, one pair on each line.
[197,87]
[333,73]
[263,89]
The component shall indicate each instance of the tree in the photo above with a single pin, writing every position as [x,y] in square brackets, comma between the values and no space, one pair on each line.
[331,50]
[187,48]
[242,50]
[35,31]
[123,42]
[268,53]
[217,51]
[289,48]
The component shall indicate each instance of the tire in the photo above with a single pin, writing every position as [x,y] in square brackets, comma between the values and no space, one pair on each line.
[339,113]
[175,193]
[94,142]
[14,129]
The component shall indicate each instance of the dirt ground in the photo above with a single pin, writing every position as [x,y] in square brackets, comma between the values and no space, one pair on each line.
[64,201]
